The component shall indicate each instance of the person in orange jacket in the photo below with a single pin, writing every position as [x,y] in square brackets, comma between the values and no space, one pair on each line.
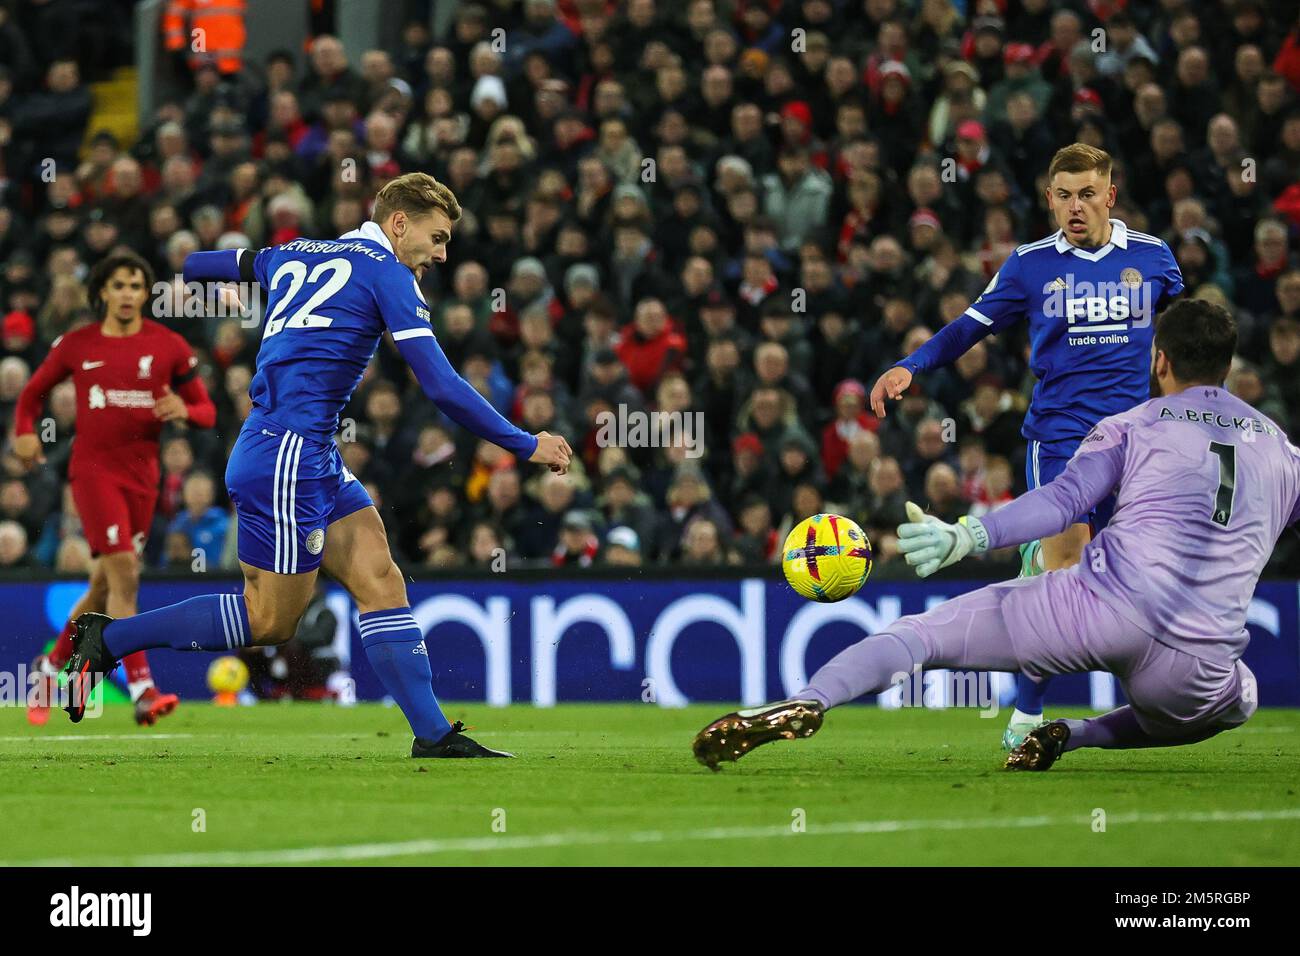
[205,32]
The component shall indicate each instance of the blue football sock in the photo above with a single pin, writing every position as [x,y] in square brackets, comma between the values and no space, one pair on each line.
[1030,694]
[395,648]
[214,622]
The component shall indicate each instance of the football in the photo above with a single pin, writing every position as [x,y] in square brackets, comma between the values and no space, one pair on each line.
[826,558]
[227,675]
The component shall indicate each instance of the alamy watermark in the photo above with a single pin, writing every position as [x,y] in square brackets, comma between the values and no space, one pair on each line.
[632,428]
[177,299]
[75,908]
[945,688]
[35,688]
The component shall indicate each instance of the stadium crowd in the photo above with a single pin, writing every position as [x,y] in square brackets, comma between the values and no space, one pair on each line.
[747,210]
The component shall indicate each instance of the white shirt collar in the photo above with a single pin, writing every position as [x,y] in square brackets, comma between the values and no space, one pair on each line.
[1118,240]
[370,230]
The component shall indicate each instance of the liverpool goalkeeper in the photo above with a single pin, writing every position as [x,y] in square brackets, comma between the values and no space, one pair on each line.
[1204,485]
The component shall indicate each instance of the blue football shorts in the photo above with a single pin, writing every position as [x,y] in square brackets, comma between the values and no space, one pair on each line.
[287,489]
[1044,460]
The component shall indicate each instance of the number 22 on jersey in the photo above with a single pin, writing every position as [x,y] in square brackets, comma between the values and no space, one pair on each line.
[304,317]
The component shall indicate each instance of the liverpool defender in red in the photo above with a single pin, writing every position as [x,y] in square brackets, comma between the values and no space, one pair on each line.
[132,375]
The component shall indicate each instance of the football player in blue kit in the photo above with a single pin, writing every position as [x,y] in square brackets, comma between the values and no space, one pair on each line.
[1090,292]
[299,509]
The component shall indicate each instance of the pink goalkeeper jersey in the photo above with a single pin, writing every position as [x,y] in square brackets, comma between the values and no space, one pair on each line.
[1206,485]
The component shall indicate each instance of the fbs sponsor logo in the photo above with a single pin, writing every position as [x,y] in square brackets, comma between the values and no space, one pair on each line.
[77,909]
[1101,312]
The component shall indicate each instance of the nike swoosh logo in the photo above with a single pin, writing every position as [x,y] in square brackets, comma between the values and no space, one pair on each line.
[87,366]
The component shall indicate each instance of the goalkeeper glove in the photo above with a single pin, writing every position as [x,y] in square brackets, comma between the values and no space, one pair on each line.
[929,544]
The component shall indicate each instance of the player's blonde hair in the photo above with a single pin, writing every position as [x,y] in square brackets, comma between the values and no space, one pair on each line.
[1079,158]
[415,194]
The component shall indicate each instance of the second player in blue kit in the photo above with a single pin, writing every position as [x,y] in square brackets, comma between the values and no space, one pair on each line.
[1090,293]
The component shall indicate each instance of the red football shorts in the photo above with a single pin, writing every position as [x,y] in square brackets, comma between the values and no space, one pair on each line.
[114,517]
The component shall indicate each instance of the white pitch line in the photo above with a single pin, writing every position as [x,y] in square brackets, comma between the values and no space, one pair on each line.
[379,851]
[144,736]
[1264,730]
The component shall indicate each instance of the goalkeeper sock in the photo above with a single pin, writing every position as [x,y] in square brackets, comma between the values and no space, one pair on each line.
[1119,730]
[395,648]
[213,622]
[1114,730]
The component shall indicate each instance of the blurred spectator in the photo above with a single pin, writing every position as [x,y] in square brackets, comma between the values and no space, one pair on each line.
[943,493]
[539,533]
[177,458]
[201,525]
[689,497]
[205,35]
[73,557]
[48,125]
[850,402]
[329,74]
[758,542]
[622,547]
[13,547]
[18,337]
[486,548]
[1246,382]
[60,527]
[624,503]
[578,543]
[703,545]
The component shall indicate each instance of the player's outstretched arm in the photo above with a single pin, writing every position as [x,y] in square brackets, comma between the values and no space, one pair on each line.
[466,407]
[1001,304]
[951,343]
[1096,468]
[224,265]
[1091,475]
[406,314]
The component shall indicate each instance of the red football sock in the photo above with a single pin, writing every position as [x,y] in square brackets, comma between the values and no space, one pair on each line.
[63,646]
[137,669]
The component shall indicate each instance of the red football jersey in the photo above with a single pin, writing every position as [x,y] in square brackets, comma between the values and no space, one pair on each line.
[118,379]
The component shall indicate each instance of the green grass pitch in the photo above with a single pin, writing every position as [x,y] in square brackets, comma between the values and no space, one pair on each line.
[616,784]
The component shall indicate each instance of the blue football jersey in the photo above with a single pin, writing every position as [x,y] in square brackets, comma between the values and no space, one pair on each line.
[1091,319]
[328,303]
